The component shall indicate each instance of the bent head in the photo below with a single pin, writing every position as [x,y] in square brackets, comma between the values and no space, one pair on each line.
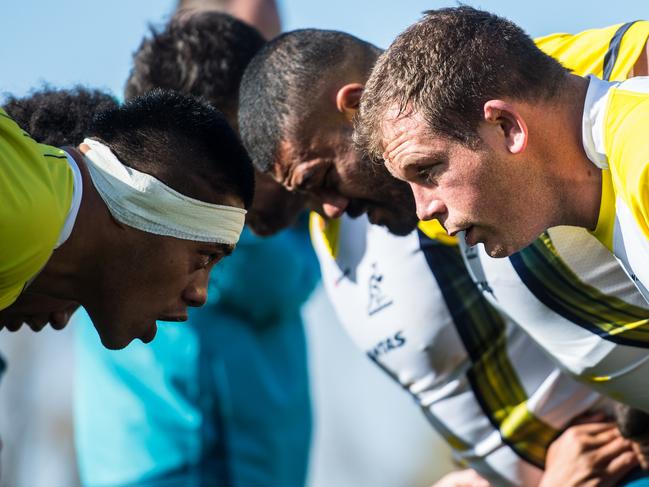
[148,278]
[144,274]
[297,100]
[205,54]
[455,123]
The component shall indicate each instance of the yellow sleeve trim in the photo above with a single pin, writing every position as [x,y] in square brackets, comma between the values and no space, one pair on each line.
[433,229]
[606,219]
[327,231]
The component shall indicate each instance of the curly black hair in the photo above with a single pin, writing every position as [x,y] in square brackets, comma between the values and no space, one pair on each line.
[203,54]
[178,138]
[58,117]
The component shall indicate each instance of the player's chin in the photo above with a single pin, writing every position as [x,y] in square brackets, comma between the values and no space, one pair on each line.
[117,341]
[149,334]
[499,250]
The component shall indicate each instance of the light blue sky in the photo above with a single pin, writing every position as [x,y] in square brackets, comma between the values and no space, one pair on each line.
[90,41]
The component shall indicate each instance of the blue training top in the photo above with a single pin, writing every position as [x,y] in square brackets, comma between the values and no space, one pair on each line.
[229,389]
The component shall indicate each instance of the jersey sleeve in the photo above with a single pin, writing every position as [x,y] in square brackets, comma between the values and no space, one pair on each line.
[36,187]
[608,53]
[627,147]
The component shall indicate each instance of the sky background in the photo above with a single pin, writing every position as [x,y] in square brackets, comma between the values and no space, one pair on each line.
[91,41]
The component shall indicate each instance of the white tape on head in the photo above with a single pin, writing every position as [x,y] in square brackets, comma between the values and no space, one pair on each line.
[141,201]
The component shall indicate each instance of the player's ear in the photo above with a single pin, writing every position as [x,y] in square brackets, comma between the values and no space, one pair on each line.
[348,99]
[510,124]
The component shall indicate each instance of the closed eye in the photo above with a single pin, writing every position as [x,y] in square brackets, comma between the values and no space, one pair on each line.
[209,257]
[428,173]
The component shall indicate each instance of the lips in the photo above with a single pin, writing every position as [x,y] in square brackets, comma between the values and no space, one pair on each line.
[174,318]
[470,237]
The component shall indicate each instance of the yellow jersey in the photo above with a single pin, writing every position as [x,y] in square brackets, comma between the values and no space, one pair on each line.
[615,122]
[36,189]
[613,131]
[608,53]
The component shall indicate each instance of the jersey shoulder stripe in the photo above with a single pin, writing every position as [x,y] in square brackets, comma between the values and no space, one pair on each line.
[613,51]
[608,52]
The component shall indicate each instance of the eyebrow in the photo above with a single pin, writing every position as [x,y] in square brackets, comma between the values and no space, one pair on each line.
[306,175]
[435,157]
[225,249]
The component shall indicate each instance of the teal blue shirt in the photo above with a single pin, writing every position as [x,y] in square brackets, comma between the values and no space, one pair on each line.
[228,389]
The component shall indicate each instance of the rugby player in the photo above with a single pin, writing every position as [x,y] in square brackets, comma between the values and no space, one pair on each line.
[190,417]
[128,224]
[403,293]
[502,142]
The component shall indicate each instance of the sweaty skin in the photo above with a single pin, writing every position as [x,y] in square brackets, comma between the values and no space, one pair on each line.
[508,189]
[150,277]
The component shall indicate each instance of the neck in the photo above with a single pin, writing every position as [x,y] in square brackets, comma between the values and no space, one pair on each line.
[72,266]
[577,181]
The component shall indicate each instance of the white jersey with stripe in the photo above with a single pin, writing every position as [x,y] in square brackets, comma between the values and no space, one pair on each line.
[590,318]
[481,381]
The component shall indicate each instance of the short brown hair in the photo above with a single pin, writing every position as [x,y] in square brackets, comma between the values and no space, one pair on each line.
[446,66]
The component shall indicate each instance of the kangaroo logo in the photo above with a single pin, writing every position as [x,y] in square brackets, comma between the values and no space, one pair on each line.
[377,299]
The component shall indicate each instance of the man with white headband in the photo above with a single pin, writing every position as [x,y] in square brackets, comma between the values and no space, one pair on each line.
[170,182]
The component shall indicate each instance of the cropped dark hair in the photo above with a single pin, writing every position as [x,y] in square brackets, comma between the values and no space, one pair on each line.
[446,67]
[282,81]
[203,54]
[58,117]
[178,138]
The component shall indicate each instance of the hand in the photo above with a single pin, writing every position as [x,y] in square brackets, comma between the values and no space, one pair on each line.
[634,425]
[37,310]
[588,455]
[641,450]
[462,478]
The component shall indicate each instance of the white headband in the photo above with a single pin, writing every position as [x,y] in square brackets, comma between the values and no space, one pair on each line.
[141,201]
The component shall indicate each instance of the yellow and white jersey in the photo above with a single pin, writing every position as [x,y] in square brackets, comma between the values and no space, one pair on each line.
[410,304]
[40,192]
[566,289]
[590,318]
[608,53]
[615,121]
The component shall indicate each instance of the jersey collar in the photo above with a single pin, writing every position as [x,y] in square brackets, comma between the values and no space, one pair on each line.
[592,129]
